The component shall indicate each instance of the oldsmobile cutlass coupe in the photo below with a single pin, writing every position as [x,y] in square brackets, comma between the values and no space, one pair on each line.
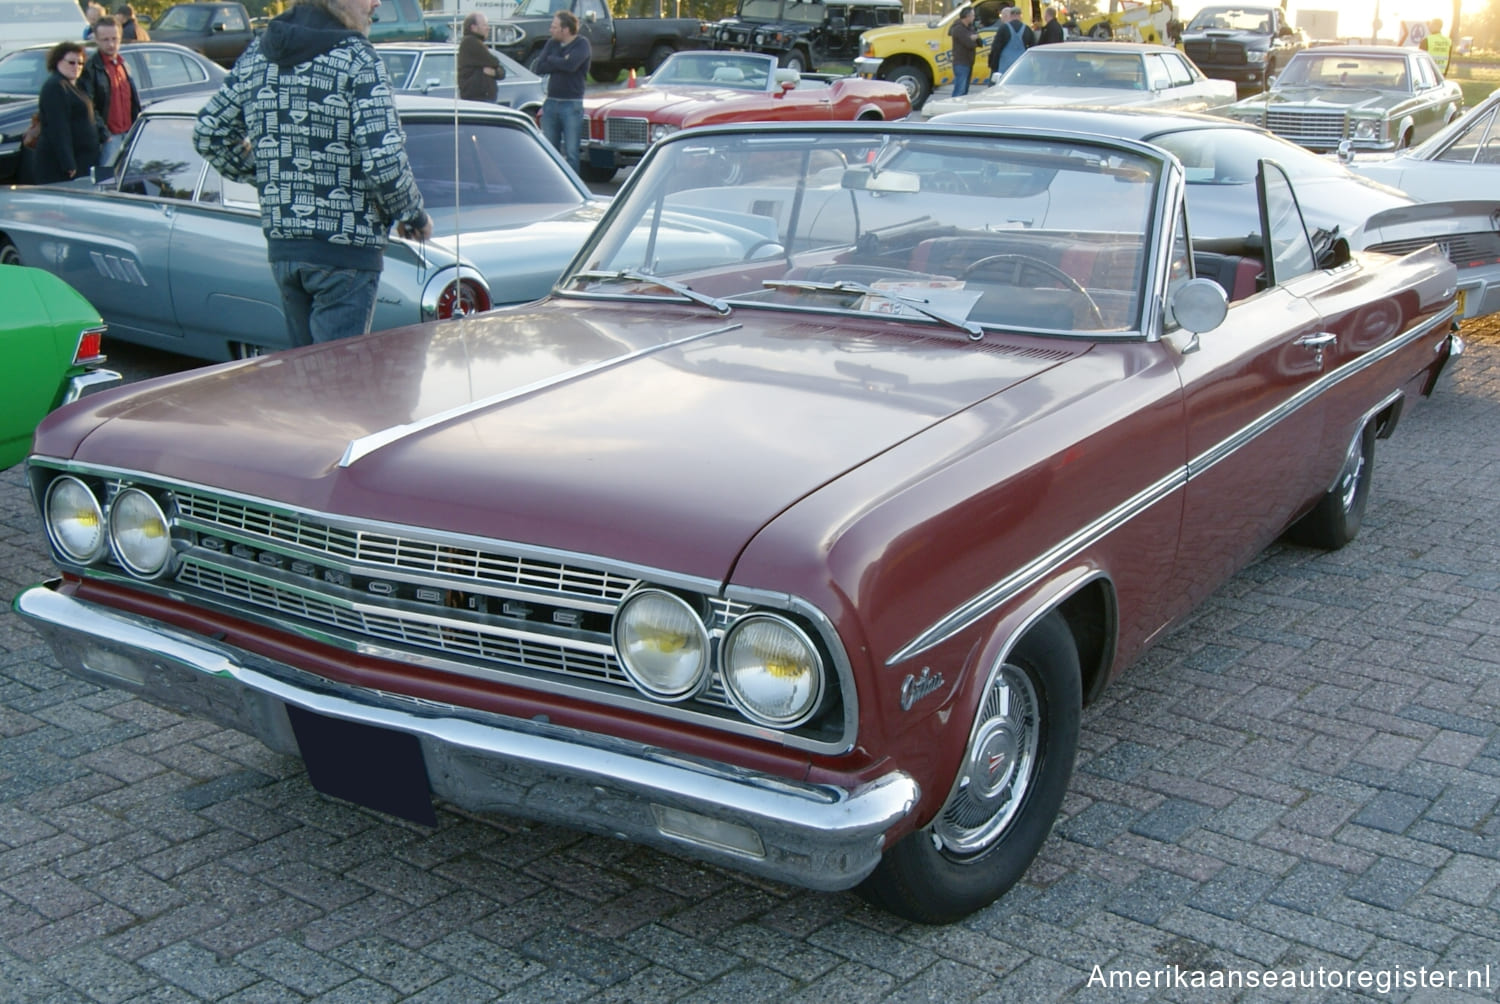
[1369,97]
[173,254]
[791,533]
[715,88]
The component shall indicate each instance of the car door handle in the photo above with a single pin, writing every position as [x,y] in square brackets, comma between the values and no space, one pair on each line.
[1318,342]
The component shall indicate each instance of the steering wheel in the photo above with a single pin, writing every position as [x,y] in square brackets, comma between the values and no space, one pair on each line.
[1021,263]
[764,242]
[947,182]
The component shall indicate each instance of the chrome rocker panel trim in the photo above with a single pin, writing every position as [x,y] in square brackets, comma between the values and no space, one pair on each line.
[818,836]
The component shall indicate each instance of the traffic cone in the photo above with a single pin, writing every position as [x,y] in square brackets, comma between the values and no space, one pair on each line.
[631,81]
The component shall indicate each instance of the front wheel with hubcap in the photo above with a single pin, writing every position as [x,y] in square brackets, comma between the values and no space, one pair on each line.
[1009,788]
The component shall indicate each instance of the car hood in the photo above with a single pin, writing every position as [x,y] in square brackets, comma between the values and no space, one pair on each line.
[1319,99]
[491,235]
[657,100]
[655,434]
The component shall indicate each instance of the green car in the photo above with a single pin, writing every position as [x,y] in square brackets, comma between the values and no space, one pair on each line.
[1353,97]
[50,340]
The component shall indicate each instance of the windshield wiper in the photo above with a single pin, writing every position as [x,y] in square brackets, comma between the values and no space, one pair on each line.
[630,275]
[919,304]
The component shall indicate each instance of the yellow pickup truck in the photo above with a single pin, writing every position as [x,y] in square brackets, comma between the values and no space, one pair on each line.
[919,57]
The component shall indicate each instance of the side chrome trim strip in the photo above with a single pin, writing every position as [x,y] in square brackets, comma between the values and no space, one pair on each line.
[362,447]
[982,604]
[990,599]
[1208,458]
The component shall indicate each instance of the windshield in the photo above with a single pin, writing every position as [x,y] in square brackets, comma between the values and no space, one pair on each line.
[1256,19]
[497,167]
[1057,67]
[741,72]
[1311,69]
[983,230]
[23,72]
[192,18]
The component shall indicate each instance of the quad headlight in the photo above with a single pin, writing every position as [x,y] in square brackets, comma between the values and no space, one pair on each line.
[661,131]
[139,533]
[1366,128]
[662,643]
[772,671]
[75,520]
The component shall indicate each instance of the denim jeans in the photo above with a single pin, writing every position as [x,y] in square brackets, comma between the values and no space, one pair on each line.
[562,124]
[322,303]
[961,76]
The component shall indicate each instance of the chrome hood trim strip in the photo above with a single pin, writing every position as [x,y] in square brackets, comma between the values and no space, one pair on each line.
[362,447]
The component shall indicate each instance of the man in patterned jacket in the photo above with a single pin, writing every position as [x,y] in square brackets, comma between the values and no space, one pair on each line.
[307,116]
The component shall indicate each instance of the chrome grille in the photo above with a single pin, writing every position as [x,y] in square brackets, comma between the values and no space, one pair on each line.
[1464,250]
[451,603]
[626,132]
[1318,128]
[483,646]
[402,553]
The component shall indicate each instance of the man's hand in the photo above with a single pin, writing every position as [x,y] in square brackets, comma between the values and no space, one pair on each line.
[416,231]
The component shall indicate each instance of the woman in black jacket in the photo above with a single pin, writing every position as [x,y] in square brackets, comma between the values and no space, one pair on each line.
[69,143]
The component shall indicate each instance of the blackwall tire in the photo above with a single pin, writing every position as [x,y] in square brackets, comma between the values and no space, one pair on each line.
[1336,519]
[9,253]
[1010,787]
[918,87]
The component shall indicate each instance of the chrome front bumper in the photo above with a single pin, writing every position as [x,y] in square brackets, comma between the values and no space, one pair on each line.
[868,66]
[819,836]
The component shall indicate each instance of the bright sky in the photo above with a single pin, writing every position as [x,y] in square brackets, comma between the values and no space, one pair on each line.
[1355,16]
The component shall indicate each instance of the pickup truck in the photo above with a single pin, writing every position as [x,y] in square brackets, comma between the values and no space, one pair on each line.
[222,30]
[919,56]
[618,43]
[1249,45]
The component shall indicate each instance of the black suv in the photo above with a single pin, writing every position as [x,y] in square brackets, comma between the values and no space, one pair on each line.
[804,35]
[1249,45]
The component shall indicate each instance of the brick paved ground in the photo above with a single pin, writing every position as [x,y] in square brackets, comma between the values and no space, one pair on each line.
[1305,775]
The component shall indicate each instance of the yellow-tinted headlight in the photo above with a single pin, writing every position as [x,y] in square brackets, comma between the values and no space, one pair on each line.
[75,522]
[662,644]
[772,671]
[138,530]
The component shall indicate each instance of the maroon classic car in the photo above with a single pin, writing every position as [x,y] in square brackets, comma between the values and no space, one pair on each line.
[792,532]
[717,88]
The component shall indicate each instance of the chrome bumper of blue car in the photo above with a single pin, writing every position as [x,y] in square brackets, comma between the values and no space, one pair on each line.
[818,836]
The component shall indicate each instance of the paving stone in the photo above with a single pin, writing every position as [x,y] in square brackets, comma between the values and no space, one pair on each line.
[1389,882]
[1391,811]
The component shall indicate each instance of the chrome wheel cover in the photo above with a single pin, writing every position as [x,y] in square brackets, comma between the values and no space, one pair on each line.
[1349,477]
[998,770]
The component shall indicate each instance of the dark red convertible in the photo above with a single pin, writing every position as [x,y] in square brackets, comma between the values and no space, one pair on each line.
[792,532]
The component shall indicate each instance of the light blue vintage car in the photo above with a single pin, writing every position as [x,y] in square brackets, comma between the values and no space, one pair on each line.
[172,254]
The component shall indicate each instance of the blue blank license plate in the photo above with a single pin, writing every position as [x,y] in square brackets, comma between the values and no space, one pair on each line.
[374,767]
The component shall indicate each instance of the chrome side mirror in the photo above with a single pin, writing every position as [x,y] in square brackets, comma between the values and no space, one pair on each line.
[1198,305]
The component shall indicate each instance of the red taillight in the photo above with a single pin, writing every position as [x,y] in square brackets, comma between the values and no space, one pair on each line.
[90,347]
[463,297]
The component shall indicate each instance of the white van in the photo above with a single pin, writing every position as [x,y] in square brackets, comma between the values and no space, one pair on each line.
[34,22]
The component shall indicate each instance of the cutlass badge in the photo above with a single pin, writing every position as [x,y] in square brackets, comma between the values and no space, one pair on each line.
[914,688]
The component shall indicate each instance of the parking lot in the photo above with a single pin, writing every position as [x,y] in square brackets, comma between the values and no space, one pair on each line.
[1301,780]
